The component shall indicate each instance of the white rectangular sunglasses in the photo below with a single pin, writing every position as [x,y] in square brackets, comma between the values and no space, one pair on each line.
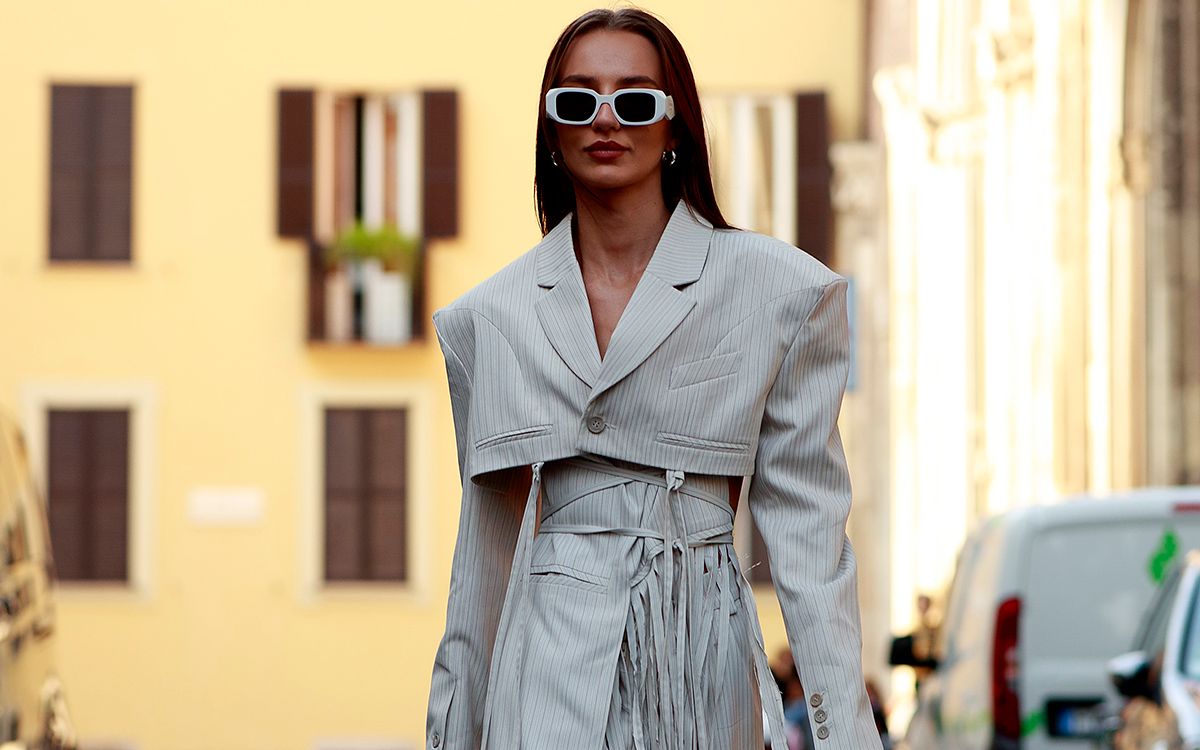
[579,106]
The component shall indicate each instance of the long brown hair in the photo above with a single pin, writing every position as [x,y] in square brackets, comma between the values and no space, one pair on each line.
[689,178]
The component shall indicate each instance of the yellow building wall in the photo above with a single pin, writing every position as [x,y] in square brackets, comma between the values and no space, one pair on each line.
[225,644]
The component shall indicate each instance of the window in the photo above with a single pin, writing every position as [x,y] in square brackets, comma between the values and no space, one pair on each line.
[91,172]
[382,160]
[88,493]
[366,494]
[770,163]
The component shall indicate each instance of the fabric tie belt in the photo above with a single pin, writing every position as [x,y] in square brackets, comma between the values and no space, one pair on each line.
[678,631]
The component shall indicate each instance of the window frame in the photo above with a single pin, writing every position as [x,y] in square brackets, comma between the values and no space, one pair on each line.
[94,90]
[415,397]
[140,398]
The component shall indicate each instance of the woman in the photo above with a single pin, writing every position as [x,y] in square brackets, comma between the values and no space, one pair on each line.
[610,388]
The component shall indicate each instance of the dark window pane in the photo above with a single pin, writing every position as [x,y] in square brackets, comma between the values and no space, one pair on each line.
[343,527]
[91,172]
[387,535]
[67,460]
[88,493]
[113,187]
[110,445]
[343,450]
[365,494]
[388,431]
[71,171]
[109,532]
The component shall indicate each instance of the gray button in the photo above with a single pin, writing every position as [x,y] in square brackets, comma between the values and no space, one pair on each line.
[437,741]
[815,700]
[822,733]
[820,715]
[596,425]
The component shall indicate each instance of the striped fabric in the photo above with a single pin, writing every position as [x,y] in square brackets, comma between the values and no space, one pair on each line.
[729,360]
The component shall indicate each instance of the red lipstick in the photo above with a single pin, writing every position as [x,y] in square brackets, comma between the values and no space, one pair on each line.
[605,150]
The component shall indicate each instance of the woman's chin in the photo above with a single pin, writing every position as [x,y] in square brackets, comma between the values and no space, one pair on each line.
[606,180]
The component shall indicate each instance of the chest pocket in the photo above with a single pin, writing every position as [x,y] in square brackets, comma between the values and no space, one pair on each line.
[702,370]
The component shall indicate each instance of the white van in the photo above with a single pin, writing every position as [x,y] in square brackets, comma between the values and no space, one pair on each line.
[1041,599]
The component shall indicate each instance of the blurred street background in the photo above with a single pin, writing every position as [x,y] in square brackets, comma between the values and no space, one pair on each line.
[237,413]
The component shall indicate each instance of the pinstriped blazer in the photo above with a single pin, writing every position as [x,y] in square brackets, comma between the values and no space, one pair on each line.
[730,358]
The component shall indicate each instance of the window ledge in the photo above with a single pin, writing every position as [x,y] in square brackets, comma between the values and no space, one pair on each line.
[384,592]
[72,592]
[360,345]
[90,263]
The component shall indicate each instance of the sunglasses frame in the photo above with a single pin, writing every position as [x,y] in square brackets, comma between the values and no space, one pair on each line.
[664,105]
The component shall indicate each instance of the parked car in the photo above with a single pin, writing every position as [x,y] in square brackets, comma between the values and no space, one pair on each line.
[1042,597]
[33,706]
[1161,675]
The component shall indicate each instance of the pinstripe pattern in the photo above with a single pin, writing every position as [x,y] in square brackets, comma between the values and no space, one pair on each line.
[730,360]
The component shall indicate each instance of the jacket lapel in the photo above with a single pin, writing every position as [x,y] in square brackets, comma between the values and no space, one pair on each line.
[656,308]
[654,311]
[563,309]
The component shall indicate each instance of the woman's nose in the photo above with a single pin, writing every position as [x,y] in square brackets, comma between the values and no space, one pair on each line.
[605,119]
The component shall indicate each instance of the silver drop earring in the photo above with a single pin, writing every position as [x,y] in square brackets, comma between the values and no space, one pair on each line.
[669,157]
[554,160]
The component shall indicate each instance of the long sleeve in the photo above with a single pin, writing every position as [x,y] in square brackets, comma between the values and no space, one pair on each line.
[487,532]
[800,500]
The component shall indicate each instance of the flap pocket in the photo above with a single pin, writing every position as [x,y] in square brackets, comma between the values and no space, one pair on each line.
[511,435]
[566,575]
[690,373]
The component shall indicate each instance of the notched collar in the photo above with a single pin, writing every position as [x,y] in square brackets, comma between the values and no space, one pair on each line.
[678,258]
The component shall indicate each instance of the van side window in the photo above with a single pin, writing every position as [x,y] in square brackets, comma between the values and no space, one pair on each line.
[944,645]
[972,610]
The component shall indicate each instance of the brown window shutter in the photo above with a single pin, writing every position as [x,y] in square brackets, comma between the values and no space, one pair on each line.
[343,488]
[295,163]
[366,490]
[88,493]
[440,163]
[67,494]
[91,172]
[814,175]
[110,494]
[70,172]
[386,511]
[114,172]
[316,290]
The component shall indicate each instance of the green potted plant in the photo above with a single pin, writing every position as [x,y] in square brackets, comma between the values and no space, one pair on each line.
[397,252]
[383,262]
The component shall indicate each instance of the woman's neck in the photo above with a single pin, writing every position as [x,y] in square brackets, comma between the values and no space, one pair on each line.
[617,237]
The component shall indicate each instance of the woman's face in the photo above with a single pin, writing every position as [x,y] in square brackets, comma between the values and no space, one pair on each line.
[607,156]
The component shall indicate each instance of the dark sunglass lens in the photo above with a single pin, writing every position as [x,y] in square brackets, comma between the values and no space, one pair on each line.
[636,106]
[575,106]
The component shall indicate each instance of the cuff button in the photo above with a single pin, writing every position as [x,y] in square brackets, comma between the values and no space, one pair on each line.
[822,732]
[820,715]
[436,740]
[815,700]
